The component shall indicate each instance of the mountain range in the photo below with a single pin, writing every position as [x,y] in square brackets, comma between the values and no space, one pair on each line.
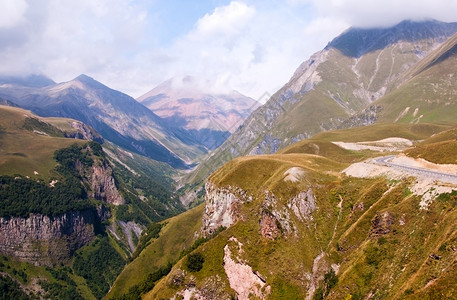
[350,73]
[210,118]
[341,186]
[381,236]
[117,116]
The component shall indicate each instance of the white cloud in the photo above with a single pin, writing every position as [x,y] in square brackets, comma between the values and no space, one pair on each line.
[226,20]
[384,12]
[66,38]
[240,47]
[12,12]
[253,46]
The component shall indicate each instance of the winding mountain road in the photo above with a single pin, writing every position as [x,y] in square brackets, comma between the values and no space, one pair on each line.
[387,161]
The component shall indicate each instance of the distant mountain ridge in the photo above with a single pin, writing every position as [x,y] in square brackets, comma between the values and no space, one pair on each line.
[208,117]
[116,116]
[33,80]
[355,42]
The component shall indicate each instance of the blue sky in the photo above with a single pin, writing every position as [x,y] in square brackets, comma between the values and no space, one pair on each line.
[253,46]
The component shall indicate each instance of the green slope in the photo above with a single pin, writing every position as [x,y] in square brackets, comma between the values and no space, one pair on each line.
[177,235]
[336,83]
[371,230]
[429,96]
[24,151]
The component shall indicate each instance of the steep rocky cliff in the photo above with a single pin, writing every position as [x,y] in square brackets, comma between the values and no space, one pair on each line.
[45,222]
[223,209]
[45,240]
[83,132]
[103,185]
[222,206]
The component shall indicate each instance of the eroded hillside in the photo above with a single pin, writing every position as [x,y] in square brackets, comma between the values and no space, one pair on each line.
[297,226]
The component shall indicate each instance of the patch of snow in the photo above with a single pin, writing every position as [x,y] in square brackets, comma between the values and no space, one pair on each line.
[40,132]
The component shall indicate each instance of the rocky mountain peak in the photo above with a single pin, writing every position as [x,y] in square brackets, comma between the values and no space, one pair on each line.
[187,103]
[84,78]
[356,42]
[89,81]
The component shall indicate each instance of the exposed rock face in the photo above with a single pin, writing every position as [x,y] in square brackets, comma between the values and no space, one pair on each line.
[317,275]
[212,288]
[269,226]
[190,197]
[222,206]
[303,205]
[242,278]
[367,117]
[103,186]
[223,209]
[382,224]
[84,132]
[129,229]
[275,218]
[44,240]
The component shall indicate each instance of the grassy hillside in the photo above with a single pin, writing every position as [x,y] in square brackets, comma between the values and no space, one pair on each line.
[429,96]
[440,148]
[381,131]
[22,136]
[36,147]
[364,237]
[177,234]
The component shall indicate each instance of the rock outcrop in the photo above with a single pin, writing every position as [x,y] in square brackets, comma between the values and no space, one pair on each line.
[382,224]
[44,240]
[275,218]
[303,205]
[242,278]
[103,185]
[83,132]
[222,206]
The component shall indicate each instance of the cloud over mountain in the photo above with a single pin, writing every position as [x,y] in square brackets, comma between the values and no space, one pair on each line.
[248,45]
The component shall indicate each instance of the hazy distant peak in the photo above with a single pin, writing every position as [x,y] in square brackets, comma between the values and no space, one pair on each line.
[355,42]
[83,78]
[33,80]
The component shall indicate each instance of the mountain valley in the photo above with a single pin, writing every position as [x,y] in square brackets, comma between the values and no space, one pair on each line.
[341,186]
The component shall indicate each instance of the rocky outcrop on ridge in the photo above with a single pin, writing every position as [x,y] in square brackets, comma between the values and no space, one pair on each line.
[222,206]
